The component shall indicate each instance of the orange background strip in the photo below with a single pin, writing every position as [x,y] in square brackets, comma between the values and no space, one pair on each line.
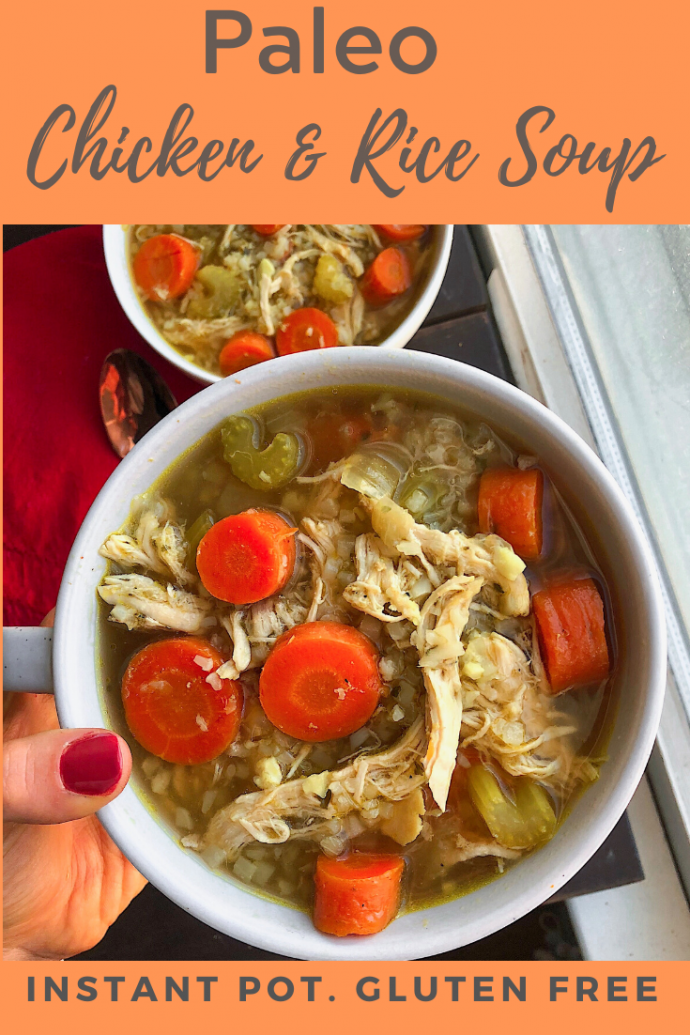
[347,1012]
[608,71]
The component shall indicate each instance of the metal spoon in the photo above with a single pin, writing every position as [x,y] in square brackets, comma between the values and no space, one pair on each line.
[133,398]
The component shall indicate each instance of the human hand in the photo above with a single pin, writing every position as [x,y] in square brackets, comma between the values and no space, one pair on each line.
[65,881]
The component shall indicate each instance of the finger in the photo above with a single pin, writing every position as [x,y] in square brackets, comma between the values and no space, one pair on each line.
[49,620]
[60,775]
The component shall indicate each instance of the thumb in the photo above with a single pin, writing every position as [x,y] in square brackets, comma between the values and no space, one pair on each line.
[60,775]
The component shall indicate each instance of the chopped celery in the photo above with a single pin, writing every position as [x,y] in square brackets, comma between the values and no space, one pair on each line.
[331,281]
[221,291]
[420,495]
[260,469]
[536,810]
[196,532]
[521,824]
[500,815]
[371,475]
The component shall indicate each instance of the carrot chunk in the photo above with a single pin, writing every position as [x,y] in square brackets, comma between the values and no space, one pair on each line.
[267,229]
[400,231]
[164,267]
[244,349]
[306,329]
[572,633]
[356,895]
[247,557]
[333,436]
[171,707]
[510,504]
[321,681]
[388,276]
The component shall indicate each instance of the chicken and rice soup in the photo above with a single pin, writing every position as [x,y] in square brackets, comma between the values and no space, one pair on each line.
[362,652]
[229,296]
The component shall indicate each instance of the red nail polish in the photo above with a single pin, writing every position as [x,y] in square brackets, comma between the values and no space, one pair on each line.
[92,765]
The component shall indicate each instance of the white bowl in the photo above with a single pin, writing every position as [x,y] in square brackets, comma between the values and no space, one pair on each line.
[116,248]
[622,551]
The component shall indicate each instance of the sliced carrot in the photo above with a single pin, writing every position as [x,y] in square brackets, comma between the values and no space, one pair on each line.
[333,436]
[357,895]
[572,633]
[306,329]
[510,504]
[171,707]
[267,229]
[244,349]
[388,276]
[400,231]
[321,681]
[247,557]
[164,267]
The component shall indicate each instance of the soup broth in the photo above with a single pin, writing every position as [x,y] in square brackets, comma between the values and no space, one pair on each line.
[385,502]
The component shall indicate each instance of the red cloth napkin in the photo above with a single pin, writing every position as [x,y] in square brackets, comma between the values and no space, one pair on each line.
[61,319]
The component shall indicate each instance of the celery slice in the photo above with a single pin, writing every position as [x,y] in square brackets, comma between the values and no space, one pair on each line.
[196,532]
[536,810]
[262,469]
[501,816]
[525,823]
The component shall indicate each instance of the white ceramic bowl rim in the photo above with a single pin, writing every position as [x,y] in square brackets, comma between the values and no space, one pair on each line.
[117,261]
[182,875]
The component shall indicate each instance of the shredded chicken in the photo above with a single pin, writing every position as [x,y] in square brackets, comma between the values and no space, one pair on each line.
[253,631]
[156,543]
[312,808]
[438,640]
[466,849]
[486,555]
[382,588]
[140,603]
[506,713]
[241,647]
[385,581]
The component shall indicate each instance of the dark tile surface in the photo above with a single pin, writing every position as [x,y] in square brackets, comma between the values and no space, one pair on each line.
[471,339]
[464,286]
[616,863]
[460,326]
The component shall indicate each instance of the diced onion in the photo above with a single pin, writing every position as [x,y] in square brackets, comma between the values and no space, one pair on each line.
[150,765]
[213,856]
[370,474]
[207,801]
[161,781]
[244,869]
[264,872]
[333,846]
[358,738]
[183,820]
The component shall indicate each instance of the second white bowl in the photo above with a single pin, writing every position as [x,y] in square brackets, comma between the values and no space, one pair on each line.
[116,248]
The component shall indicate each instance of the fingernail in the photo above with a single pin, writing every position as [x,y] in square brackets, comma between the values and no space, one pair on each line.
[92,765]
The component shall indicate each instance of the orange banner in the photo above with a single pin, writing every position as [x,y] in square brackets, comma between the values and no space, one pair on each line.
[345,996]
[346,112]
